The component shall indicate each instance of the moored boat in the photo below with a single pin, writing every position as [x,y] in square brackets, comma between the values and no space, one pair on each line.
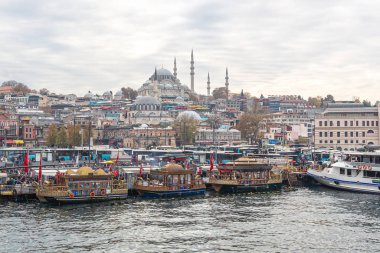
[360,172]
[245,174]
[83,186]
[170,181]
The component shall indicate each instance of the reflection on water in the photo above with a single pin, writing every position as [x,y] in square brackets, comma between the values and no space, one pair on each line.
[312,220]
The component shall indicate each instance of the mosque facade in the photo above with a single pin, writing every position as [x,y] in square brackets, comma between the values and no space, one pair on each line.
[165,86]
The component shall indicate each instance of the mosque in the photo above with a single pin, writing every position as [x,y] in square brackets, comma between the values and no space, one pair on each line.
[165,86]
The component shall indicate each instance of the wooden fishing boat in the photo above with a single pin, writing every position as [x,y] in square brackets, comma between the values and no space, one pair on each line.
[245,174]
[169,182]
[83,186]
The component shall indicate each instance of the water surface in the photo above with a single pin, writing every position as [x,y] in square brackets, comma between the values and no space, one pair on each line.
[310,219]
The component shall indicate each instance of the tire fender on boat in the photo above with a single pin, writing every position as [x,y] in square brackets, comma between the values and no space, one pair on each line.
[92,194]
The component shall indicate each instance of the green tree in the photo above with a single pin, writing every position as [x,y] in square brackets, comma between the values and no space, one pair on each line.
[52,135]
[367,103]
[61,139]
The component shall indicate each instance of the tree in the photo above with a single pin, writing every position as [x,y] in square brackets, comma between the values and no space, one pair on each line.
[220,92]
[329,98]
[186,127]
[21,89]
[61,140]
[367,103]
[129,93]
[52,135]
[316,101]
[11,83]
[249,125]
[44,92]
[73,136]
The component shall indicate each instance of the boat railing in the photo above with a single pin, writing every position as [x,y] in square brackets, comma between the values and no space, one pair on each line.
[53,188]
[6,188]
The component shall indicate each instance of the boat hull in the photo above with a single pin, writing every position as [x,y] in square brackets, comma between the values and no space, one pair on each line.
[224,188]
[339,184]
[81,199]
[172,194]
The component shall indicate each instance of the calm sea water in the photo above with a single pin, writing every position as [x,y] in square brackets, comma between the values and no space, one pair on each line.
[306,220]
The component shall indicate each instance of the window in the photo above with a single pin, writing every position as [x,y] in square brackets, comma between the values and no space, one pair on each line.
[357,123]
[331,141]
[345,141]
[338,141]
[325,141]
[325,134]
[363,123]
[320,123]
[368,123]
[331,123]
[377,123]
[372,123]
[325,123]
[345,134]
[351,134]
[338,123]
[342,170]
[349,172]
[351,123]
[331,134]
[363,134]
[320,134]
[351,141]
[345,123]
[357,134]
[320,141]
[338,134]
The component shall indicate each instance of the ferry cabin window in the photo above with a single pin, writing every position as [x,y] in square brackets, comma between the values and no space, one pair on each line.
[342,171]
[372,174]
[349,172]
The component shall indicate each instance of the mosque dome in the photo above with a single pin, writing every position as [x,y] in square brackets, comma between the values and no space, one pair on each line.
[189,114]
[144,126]
[147,100]
[107,93]
[89,95]
[163,74]
[119,93]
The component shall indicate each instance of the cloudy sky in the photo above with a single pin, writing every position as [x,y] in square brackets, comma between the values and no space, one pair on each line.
[270,46]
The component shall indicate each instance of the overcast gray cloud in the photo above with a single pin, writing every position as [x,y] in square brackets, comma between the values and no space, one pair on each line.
[270,47]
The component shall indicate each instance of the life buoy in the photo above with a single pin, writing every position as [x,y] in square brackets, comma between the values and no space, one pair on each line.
[92,194]
[103,192]
[364,167]
[71,195]
[360,167]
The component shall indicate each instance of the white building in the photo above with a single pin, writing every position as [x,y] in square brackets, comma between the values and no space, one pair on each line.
[218,136]
[347,127]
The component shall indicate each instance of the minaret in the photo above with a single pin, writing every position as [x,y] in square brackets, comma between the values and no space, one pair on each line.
[208,84]
[175,69]
[192,71]
[155,74]
[227,84]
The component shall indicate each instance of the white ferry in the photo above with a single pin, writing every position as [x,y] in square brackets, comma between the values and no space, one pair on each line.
[359,171]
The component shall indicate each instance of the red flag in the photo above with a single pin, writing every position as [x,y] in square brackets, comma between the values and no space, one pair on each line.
[187,165]
[141,169]
[117,157]
[40,170]
[26,161]
[211,162]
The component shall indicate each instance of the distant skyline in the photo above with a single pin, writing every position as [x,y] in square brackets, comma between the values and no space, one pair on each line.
[270,47]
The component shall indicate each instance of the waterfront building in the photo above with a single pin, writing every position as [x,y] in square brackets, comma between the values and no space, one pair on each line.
[347,126]
[218,136]
[145,136]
